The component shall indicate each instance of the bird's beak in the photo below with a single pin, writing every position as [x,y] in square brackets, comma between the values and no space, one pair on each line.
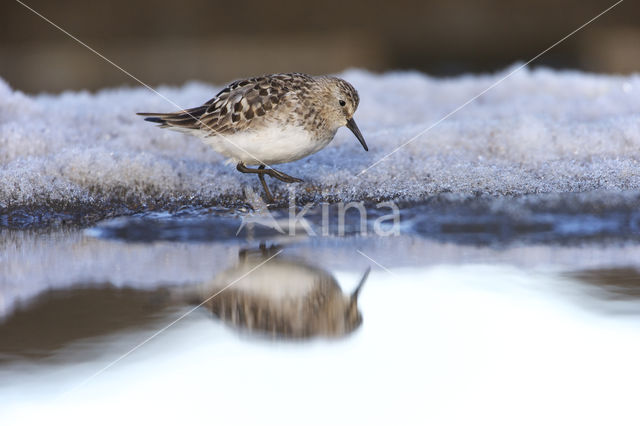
[351,125]
[356,292]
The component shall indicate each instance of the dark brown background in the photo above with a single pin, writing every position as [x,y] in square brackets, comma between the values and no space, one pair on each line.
[164,41]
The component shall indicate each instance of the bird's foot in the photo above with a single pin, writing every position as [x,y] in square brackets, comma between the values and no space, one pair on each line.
[282,176]
[261,171]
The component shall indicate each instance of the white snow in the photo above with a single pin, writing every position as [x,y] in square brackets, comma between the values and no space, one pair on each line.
[538,131]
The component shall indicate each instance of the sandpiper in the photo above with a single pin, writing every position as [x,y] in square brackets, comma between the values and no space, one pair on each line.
[286,297]
[271,119]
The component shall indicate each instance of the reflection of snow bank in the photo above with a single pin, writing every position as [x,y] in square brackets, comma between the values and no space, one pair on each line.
[33,262]
[538,131]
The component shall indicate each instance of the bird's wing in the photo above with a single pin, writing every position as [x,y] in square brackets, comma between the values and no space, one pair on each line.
[240,105]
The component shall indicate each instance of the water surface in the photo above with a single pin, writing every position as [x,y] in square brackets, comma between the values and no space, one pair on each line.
[463,319]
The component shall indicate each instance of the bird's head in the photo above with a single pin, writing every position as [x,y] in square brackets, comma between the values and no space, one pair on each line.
[342,103]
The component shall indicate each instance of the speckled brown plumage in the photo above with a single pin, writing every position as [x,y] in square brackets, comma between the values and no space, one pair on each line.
[283,297]
[247,104]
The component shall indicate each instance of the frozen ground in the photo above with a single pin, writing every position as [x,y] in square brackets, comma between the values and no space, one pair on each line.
[540,131]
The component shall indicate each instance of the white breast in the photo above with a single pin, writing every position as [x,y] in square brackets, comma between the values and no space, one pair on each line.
[273,144]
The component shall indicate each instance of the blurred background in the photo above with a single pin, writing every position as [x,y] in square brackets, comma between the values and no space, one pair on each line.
[164,41]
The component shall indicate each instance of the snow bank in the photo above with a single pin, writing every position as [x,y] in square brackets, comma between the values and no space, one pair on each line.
[540,131]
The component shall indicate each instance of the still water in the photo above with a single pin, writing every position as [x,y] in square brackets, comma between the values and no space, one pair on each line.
[168,320]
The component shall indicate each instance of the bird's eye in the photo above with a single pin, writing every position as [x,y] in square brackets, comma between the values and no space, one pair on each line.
[342,103]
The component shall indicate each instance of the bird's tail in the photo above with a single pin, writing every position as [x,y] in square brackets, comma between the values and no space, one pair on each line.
[153,117]
[189,118]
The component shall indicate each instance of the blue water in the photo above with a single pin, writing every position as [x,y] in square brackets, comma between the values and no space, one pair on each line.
[466,317]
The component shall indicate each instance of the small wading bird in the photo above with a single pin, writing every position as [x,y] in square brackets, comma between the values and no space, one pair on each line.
[271,119]
[284,298]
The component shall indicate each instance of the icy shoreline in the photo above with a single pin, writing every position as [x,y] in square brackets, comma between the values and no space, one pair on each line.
[539,132]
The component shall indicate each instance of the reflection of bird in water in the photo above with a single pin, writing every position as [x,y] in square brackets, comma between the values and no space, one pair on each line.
[284,298]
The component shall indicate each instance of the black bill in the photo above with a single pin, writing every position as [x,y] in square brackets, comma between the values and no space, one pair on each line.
[356,292]
[351,125]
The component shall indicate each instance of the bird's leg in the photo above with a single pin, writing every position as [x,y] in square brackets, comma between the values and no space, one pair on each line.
[262,170]
[264,184]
